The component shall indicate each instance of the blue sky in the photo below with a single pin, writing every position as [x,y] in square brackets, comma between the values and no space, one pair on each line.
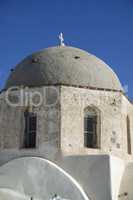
[102,27]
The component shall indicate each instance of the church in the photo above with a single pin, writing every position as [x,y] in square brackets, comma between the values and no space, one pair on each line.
[65,129]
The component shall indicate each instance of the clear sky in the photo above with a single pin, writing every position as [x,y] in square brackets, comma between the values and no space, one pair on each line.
[102,27]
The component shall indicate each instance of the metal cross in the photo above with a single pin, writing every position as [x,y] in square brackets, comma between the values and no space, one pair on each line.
[61,38]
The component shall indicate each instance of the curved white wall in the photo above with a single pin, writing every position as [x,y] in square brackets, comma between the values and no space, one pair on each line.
[37,177]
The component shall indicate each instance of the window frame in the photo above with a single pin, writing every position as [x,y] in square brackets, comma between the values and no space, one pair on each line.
[129,146]
[93,112]
[30,134]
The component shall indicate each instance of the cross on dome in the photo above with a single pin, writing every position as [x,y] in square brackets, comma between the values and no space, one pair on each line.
[61,38]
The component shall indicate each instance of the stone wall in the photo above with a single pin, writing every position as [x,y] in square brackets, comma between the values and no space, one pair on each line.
[113,106]
[48,124]
[60,121]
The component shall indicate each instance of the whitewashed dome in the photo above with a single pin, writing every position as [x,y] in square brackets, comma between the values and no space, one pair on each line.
[63,65]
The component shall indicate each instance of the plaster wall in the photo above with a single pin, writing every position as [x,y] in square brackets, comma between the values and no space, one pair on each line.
[117,167]
[126,185]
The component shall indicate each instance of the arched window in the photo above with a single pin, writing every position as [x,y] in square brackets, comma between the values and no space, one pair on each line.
[91,128]
[129,150]
[30,129]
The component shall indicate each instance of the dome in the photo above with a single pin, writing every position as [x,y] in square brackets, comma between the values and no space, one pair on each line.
[63,65]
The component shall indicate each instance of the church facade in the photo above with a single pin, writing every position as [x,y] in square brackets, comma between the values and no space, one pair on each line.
[64,111]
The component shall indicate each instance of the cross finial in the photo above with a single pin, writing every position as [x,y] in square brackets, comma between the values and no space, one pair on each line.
[61,38]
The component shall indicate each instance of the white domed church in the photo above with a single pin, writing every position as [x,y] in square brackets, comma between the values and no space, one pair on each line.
[65,129]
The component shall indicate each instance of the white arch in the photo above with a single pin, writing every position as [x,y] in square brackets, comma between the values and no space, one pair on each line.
[77,185]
